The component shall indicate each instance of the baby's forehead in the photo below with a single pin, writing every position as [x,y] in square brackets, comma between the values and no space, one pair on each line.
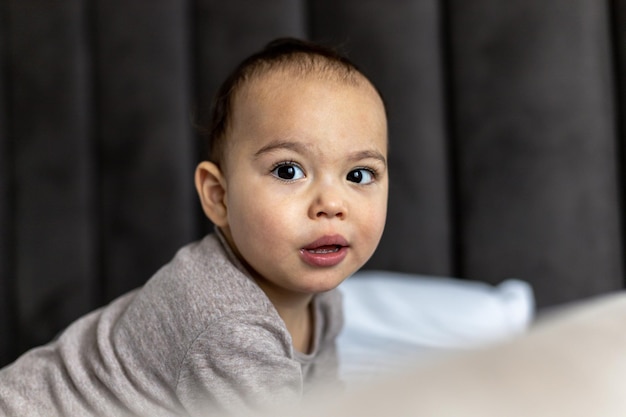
[264,83]
[279,95]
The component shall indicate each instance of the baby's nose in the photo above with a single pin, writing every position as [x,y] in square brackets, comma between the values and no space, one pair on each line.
[329,203]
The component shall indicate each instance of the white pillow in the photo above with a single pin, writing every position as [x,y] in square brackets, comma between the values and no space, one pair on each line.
[392,318]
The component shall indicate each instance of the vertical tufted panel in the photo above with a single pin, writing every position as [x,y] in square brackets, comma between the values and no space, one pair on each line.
[6,253]
[619,49]
[536,145]
[54,166]
[399,47]
[145,142]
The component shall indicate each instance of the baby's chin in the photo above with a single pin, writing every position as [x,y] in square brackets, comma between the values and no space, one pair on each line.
[324,284]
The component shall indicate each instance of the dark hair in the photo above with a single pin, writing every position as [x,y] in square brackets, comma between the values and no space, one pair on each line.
[302,56]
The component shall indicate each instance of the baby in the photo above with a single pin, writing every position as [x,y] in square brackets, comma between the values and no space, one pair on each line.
[245,319]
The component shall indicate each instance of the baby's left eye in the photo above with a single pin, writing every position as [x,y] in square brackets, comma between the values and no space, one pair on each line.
[361,176]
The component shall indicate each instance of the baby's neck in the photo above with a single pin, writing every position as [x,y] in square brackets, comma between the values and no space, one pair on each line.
[299,319]
[300,325]
[295,310]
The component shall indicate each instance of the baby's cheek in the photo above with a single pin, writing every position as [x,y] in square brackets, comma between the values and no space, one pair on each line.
[262,223]
[374,226]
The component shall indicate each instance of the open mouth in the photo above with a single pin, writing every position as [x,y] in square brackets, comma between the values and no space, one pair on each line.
[326,251]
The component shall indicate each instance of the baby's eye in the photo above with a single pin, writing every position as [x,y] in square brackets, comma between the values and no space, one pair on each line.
[288,171]
[361,176]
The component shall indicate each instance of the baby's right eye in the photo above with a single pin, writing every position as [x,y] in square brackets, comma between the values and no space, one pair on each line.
[288,171]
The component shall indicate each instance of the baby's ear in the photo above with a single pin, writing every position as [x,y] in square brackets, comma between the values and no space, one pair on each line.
[211,187]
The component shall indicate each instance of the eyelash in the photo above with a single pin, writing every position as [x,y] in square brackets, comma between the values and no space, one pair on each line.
[362,179]
[285,164]
[371,170]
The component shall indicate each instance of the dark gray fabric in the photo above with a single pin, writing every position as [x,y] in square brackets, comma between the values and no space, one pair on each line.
[619,49]
[536,145]
[145,141]
[504,139]
[6,237]
[54,217]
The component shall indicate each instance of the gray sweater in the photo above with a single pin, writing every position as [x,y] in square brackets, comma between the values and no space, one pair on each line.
[200,338]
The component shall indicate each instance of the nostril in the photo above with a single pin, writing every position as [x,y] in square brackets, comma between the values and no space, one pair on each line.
[330,214]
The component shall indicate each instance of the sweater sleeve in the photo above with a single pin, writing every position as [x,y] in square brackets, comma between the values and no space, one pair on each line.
[239,365]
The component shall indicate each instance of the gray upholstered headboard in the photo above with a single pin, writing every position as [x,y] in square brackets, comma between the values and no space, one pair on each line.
[506,129]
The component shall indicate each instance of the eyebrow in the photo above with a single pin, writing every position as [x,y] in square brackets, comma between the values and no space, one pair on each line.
[302,148]
[272,146]
[368,154]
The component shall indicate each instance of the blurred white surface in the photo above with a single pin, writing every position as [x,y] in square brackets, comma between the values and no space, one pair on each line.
[393,318]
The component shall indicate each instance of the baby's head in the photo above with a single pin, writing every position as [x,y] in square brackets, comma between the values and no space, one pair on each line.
[297,171]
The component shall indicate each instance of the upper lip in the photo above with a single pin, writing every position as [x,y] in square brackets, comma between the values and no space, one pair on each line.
[329,240]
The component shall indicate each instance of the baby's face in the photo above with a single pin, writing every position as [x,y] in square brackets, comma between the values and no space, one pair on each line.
[306,180]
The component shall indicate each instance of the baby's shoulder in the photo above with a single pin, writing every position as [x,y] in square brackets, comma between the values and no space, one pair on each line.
[204,272]
[200,286]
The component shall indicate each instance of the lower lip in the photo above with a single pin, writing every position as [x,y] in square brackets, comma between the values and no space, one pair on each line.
[324,259]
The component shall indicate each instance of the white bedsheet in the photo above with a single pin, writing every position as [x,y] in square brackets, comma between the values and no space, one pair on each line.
[393,318]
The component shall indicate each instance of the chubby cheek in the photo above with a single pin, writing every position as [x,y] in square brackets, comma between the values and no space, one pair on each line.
[257,224]
[372,224]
